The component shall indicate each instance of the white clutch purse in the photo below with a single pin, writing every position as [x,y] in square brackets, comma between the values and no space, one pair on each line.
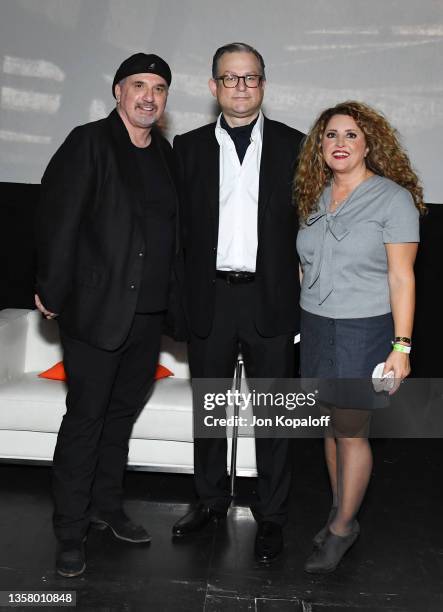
[382,382]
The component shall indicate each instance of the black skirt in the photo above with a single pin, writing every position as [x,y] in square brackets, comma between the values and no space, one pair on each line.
[346,349]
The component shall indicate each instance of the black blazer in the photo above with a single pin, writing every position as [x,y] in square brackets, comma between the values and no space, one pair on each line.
[90,243]
[277,278]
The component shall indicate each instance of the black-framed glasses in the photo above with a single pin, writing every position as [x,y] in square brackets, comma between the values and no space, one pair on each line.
[232,80]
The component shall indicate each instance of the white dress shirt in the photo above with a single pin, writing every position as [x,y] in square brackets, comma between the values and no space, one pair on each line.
[238,201]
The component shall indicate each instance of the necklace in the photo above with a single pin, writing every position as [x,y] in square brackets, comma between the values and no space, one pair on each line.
[336,202]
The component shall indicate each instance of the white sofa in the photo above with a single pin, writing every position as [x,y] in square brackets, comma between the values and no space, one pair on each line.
[31,408]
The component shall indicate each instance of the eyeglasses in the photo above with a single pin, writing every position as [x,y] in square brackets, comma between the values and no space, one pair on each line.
[232,80]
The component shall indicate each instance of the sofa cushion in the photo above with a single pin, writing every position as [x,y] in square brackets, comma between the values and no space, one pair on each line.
[35,404]
[43,347]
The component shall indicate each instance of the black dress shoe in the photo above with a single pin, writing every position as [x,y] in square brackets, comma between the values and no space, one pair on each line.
[325,559]
[121,526]
[195,520]
[70,560]
[268,541]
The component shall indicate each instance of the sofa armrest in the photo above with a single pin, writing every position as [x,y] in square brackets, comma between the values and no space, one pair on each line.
[13,333]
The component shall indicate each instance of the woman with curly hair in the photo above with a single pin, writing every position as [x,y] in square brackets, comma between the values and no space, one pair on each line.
[359,203]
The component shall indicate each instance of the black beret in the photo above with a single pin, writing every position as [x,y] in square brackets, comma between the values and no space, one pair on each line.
[142,62]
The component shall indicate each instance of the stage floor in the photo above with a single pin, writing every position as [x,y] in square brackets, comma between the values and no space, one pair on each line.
[396,565]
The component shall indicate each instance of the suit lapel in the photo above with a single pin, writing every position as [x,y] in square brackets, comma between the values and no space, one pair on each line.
[268,169]
[170,171]
[211,174]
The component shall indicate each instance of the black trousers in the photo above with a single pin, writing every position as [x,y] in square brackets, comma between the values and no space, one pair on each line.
[234,331]
[106,390]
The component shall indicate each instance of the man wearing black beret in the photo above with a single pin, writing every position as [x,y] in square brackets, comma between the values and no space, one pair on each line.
[107,253]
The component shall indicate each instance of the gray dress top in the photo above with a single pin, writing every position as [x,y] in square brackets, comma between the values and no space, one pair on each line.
[343,253]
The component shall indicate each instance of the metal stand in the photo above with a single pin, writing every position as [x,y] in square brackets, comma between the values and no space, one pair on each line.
[238,377]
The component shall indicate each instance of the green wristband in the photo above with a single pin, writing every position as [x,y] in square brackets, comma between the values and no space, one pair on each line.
[401,348]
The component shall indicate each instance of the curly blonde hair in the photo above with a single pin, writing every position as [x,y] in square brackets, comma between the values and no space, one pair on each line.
[386,156]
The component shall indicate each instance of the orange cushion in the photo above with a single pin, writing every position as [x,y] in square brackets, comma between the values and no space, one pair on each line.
[57,372]
[162,372]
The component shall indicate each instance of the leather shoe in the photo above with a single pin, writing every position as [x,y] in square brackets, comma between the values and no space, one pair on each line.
[325,559]
[121,526]
[195,520]
[70,560]
[268,541]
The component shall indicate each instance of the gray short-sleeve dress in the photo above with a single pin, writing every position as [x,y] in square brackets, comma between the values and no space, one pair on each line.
[346,324]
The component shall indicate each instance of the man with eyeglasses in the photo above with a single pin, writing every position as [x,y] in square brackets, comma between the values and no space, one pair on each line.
[106,240]
[242,289]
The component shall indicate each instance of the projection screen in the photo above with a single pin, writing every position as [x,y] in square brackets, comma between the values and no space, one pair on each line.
[58,58]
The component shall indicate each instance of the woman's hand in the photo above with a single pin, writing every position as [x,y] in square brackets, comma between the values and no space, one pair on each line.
[399,364]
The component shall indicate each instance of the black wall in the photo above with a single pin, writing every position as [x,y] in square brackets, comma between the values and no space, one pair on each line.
[17,260]
[427,354]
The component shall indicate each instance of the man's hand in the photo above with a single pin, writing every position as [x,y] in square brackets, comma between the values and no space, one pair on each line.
[46,313]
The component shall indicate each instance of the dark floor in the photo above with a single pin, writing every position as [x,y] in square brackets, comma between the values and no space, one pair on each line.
[397,564]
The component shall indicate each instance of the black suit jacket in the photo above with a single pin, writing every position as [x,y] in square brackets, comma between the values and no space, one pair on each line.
[90,243]
[277,279]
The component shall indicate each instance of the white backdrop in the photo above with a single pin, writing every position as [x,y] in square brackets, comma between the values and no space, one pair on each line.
[58,58]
